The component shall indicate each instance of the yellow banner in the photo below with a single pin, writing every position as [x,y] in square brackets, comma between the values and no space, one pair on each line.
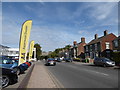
[31,50]
[24,38]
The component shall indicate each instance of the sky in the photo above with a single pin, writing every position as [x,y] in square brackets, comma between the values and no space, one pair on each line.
[56,24]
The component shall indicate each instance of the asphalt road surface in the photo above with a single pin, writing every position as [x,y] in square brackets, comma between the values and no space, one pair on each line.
[72,75]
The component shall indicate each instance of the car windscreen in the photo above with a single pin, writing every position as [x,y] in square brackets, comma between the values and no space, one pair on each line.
[7,61]
[106,59]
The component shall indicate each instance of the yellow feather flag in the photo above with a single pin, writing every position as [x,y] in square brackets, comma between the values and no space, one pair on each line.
[24,38]
[31,50]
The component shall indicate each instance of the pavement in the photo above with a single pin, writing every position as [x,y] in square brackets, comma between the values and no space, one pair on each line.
[41,78]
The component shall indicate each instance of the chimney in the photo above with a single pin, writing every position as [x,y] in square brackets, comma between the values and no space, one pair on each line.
[105,32]
[75,42]
[96,36]
[83,40]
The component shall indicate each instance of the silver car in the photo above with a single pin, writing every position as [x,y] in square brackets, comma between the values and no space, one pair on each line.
[103,62]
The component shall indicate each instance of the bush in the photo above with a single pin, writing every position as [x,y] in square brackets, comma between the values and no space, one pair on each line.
[116,57]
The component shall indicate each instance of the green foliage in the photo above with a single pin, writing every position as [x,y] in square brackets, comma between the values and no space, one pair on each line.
[57,51]
[116,56]
[38,51]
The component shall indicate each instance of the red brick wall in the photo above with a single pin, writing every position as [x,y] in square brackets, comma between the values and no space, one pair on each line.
[81,48]
[109,39]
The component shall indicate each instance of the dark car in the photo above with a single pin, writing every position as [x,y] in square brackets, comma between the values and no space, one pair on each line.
[9,63]
[50,61]
[103,62]
[68,59]
[23,67]
[8,77]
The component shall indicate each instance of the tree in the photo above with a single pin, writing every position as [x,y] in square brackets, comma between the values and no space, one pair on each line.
[38,51]
[67,47]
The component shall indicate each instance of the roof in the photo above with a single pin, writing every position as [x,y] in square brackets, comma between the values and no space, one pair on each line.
[4,46]
[117,38]
[99,39]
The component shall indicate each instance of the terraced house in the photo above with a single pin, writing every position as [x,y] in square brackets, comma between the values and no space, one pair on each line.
[116,44]
[77,49]
[100,46]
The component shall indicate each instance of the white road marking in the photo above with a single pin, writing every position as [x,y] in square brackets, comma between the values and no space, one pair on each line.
[97,72]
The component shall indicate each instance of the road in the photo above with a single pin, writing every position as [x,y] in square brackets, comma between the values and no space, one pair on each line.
[72,75]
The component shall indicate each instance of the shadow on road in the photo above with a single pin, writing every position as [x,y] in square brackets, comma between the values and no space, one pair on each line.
[92,65]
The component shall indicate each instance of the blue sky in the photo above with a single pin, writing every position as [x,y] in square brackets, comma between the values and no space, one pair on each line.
[56,24]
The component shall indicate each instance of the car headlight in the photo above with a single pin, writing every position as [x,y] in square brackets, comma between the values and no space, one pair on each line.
[109,62]
[12,71]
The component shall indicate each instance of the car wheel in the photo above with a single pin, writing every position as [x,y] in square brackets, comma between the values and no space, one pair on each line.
[5,81]
[104,65]
[94,63]
[15,69]
[18,71]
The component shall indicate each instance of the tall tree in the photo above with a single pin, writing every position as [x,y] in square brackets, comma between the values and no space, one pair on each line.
[67,47]
[38,50]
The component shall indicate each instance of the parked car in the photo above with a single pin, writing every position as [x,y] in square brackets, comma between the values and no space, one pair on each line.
[103,62]
[8,77]
[59,60]
[9,63]
[23,67]
[68,59]
[28,63]
[50,61]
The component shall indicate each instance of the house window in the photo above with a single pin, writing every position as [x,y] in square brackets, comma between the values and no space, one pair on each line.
[116,43]
[107,45]
[86,48]
[90,47]
[96,47]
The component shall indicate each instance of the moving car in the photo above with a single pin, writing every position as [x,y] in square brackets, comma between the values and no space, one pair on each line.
[8,77]
[50,61]
[103,62]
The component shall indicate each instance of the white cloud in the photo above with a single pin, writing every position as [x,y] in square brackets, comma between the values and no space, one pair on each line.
[53,37]
[103,10]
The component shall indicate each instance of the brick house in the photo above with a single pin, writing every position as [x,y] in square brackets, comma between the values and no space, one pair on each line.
[77,49]
[80,47]
[116,44]
[100,46]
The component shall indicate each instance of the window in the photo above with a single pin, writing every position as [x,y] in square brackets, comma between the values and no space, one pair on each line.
[90,47]
[116,43]
[96,46]
[107,45]
[86,48]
